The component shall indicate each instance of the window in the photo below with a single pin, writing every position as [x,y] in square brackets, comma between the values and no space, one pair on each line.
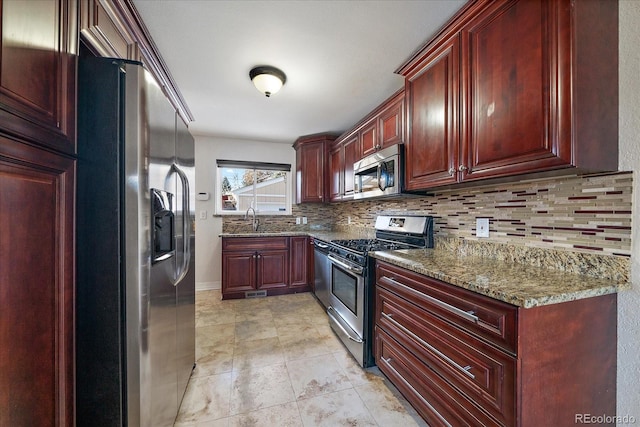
[266,187]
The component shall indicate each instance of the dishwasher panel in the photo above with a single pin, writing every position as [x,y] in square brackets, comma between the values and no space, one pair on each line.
[322,265]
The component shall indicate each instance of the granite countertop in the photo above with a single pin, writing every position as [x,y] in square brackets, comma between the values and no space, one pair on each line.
[514,282]
[324,235]
[518,284]
[265,234]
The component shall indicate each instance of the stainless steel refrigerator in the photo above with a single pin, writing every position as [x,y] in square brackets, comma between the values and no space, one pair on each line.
[135,288]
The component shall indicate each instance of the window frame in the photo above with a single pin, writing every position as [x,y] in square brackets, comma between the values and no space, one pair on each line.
[238,164]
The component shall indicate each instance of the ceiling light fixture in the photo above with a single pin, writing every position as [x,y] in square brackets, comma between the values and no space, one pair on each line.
[267,79]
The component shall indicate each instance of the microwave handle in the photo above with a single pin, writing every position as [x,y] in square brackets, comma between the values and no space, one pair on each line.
[382,167]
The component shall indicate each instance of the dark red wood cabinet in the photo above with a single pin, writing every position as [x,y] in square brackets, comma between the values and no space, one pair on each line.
[312,171]
[38,56]
[433,152]
[383,127]
[37,200]
[368,136]
[462,358]
[511,87]
[277,265]
[342,156]
[298,263]
[37,191]
[336,172]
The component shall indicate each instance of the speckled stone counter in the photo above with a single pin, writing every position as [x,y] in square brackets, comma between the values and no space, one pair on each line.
[324,235]
[515,283]
[266,234]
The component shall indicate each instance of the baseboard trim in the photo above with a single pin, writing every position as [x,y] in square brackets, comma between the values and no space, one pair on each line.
[207,286]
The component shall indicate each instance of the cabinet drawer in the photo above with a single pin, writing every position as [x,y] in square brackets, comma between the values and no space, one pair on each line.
[436,401]
[493,320]
[483,373]
[254,243]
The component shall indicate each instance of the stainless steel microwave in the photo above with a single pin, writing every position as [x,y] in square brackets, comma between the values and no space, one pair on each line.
[379,174]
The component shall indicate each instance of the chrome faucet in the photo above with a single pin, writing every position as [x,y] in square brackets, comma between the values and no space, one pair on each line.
[254,221]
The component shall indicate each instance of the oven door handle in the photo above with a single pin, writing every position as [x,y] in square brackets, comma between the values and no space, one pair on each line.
[337,322]
[343,264]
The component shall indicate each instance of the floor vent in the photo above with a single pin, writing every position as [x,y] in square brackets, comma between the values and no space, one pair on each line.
[255,294]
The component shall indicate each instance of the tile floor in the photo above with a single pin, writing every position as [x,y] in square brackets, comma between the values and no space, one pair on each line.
[275,362]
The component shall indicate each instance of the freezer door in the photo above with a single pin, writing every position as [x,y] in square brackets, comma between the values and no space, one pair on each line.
[185,288]
[150,126]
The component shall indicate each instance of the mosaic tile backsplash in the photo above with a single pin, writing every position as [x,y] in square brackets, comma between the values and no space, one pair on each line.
[585,214]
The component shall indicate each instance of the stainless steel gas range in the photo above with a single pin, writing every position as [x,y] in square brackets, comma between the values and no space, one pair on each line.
[351,278]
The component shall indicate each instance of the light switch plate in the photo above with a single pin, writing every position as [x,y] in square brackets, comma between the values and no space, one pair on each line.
[203,214]
[482,227]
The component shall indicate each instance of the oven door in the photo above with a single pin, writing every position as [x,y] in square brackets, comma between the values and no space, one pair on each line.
[346,308]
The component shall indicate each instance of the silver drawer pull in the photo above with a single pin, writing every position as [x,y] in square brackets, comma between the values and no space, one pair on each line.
[418,395]
[464,370]
[451,309]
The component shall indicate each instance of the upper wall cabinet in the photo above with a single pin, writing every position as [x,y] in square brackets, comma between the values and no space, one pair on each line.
[104,33]
[342,156]
[511,87]
[312,171]
[38,72]
[114,28]
[383,127]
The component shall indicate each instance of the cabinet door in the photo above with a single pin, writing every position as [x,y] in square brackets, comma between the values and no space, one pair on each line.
[38,71]
[518,79]
[37,298]
[104,33]
[391,124]
[238,271]
[273,269]
[310,173]
[369,139]
[336,174]
[433,142]
[351,151]
[298,247]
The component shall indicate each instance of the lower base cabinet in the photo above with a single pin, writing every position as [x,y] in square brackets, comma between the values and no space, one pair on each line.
[463,359]
[253,266]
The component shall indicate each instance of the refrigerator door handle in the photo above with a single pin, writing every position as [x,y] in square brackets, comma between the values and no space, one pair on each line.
[186,226]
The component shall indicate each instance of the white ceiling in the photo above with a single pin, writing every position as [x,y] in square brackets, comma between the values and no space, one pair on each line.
[339,58]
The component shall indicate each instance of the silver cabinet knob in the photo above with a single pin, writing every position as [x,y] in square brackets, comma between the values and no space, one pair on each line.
[462,168]
[452,171]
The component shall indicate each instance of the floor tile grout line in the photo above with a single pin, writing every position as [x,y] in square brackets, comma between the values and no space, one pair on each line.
[308,314]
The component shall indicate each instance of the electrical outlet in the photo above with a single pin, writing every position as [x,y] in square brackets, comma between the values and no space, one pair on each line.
[348,220]
[304,219]
[297,220]
[482,227]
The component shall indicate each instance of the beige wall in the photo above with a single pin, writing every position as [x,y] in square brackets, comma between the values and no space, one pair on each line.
[208,149]
[629,301]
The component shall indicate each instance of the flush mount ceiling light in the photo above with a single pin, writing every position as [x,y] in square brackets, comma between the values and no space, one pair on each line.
[267,79]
